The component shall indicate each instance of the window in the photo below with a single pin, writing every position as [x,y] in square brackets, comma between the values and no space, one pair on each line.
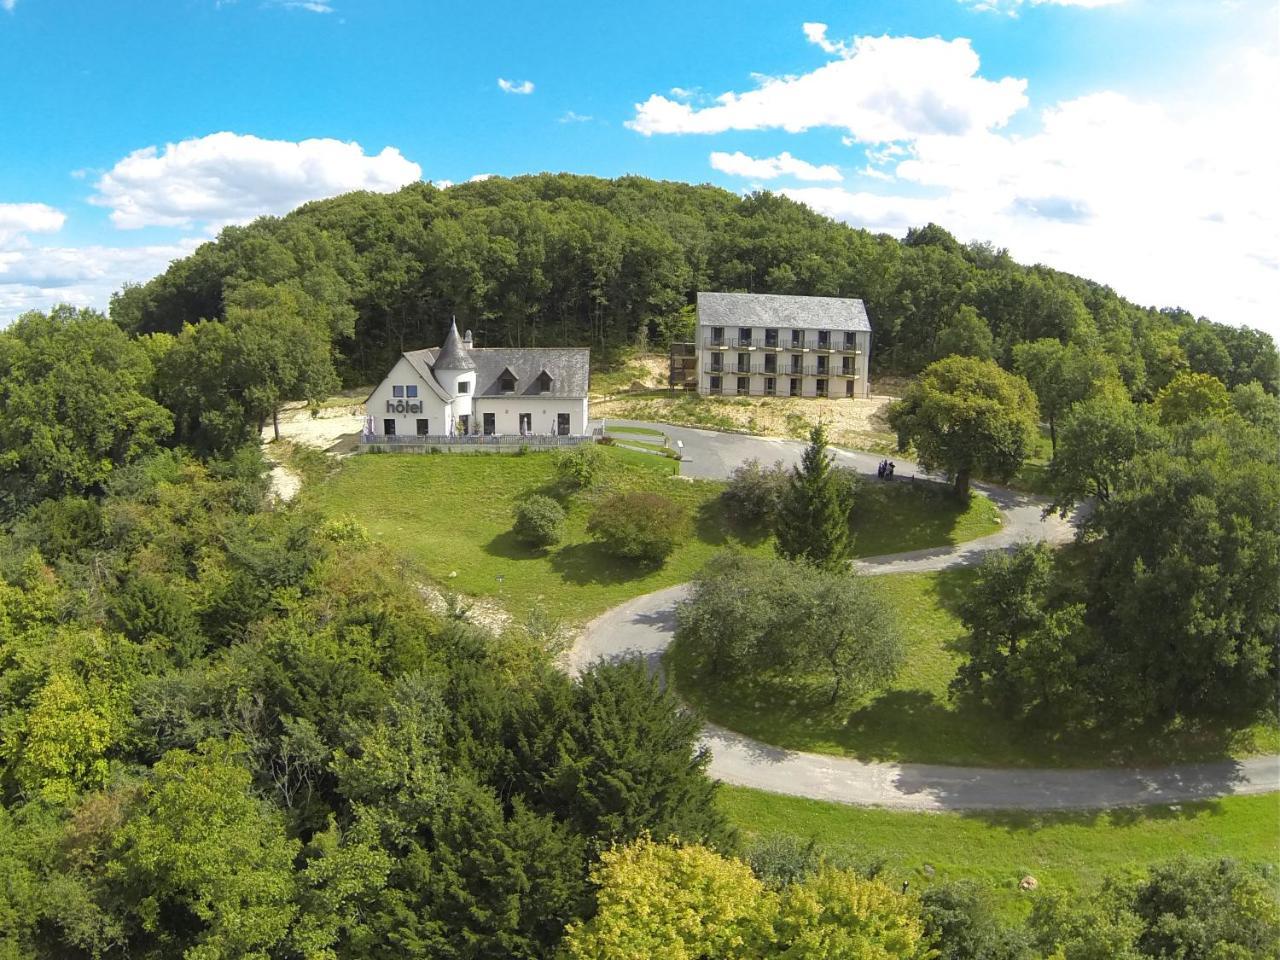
[771,338]
[717,334]
[848,388]
[744,336]
[822,388]
[824,338]
[744,385]
[464,387]
[526,424]
[489,426]
[744,362]
[411,390]
[770,386]
[795,386]
[715,384]
[770,363]
[388,427]
[562,424]
[717,361]
[850,340]
[544,382]
[507,383]
[797,338]
[822,364]
[795,364]
[397,392]
[424,427]
[846,366]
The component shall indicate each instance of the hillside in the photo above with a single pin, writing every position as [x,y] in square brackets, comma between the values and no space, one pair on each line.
[563,259]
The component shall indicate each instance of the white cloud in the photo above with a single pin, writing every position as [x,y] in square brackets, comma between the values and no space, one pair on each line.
[7,5]
[769,168]
[226,178]
[521,87]
[479,177]
[879,89]
[1011,7]
[38,278]
[18,219]
[572,117]
[1171,204]
[311,6]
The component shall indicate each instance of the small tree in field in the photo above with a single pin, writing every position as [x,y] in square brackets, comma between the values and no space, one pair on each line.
[538,521]
[966,415]
[638,526]
[754,493]
[813,519]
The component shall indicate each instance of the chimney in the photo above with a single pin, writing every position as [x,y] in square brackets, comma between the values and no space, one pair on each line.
[466,340]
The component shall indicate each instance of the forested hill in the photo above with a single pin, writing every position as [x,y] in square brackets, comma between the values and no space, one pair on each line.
[562,259]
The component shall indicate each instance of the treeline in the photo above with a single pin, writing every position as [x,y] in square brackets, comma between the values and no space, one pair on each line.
[562,259]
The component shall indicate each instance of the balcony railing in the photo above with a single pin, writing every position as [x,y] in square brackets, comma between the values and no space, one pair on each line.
[533,440]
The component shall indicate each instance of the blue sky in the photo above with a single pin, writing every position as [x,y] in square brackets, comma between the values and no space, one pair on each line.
[1132,141]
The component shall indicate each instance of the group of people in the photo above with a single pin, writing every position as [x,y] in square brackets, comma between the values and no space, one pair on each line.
[885,470]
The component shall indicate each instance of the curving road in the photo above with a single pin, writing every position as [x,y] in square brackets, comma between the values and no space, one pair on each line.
[644,627]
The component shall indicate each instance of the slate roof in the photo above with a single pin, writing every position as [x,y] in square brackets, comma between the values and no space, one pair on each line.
[568,367]
[453,355]
[773,310]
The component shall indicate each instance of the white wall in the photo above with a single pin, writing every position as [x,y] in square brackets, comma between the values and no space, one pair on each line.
[542,410]
[432,409]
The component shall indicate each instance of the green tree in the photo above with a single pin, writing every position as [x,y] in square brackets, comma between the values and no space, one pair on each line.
[837,915]
[1192,396]
[813,518]
[75,406]
[638,525]
[967,335]
[845,629]
[1098,438]
[615,755]
[538,520]
[203,866]
[1062,376]
[676,902]
[966,415]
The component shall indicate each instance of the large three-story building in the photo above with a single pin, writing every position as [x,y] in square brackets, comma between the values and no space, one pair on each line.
[753,344]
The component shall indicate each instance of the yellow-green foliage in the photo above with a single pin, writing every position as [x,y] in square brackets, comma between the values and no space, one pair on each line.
[686,902]
[61,747]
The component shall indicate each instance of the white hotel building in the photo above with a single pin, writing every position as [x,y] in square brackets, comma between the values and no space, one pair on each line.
[752,344]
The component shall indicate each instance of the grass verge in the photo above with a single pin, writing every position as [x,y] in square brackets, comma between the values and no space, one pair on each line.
[1063,851]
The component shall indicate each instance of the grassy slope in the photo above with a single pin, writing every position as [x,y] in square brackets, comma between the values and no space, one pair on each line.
[452,515]
[1059,850]
[914,719]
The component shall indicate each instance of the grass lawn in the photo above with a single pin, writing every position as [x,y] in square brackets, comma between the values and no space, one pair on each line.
[893,517]
[451,514]
[638,431]
[1061,850]
[914,719]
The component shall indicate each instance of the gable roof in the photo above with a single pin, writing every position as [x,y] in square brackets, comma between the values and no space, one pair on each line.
[787,312]
[568,368]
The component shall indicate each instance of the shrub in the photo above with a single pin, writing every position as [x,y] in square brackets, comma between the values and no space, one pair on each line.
[579,467]
[755,492]
[638,526]
[538,521]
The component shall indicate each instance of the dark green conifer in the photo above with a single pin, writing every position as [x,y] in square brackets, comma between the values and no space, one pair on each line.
[813,522]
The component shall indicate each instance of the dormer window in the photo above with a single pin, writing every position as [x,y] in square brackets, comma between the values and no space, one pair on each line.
[544,382]
[507,381]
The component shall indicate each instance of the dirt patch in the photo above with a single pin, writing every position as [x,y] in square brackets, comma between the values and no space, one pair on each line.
[482,612]
[334,428]
[859,424]
[285,484]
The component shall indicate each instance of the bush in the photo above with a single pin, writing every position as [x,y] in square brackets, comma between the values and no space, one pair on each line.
[644,527]
[579,467]
[755,492]
[538,521]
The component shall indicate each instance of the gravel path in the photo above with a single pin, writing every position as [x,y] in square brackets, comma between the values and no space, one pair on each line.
[644,625]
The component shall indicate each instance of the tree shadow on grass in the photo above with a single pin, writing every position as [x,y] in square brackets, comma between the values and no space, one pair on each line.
[713,525]
[1030,821]
[507,546]
[589,563]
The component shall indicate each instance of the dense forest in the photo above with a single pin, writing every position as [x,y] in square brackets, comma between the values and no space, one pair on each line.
[230,727]
[562,259]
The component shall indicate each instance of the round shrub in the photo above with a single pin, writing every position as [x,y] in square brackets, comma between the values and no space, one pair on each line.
[578,468]
[538,521]
[754,493]
[644,527]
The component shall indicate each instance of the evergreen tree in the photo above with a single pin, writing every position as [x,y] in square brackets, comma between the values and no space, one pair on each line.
[813,523]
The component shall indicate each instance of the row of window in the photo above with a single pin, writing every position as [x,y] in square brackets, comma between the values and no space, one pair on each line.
[747,336]
[771,386]
[408,391]
[822,365]
[488,425]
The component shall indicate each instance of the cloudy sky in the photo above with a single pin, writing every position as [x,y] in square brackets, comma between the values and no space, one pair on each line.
[1135,142]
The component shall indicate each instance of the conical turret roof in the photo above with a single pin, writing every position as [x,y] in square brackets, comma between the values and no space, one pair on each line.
[453,355]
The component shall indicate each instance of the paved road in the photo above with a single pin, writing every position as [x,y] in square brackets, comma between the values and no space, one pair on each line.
[644,625]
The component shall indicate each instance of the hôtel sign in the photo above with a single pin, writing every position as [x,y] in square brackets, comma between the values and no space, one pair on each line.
[404,406]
